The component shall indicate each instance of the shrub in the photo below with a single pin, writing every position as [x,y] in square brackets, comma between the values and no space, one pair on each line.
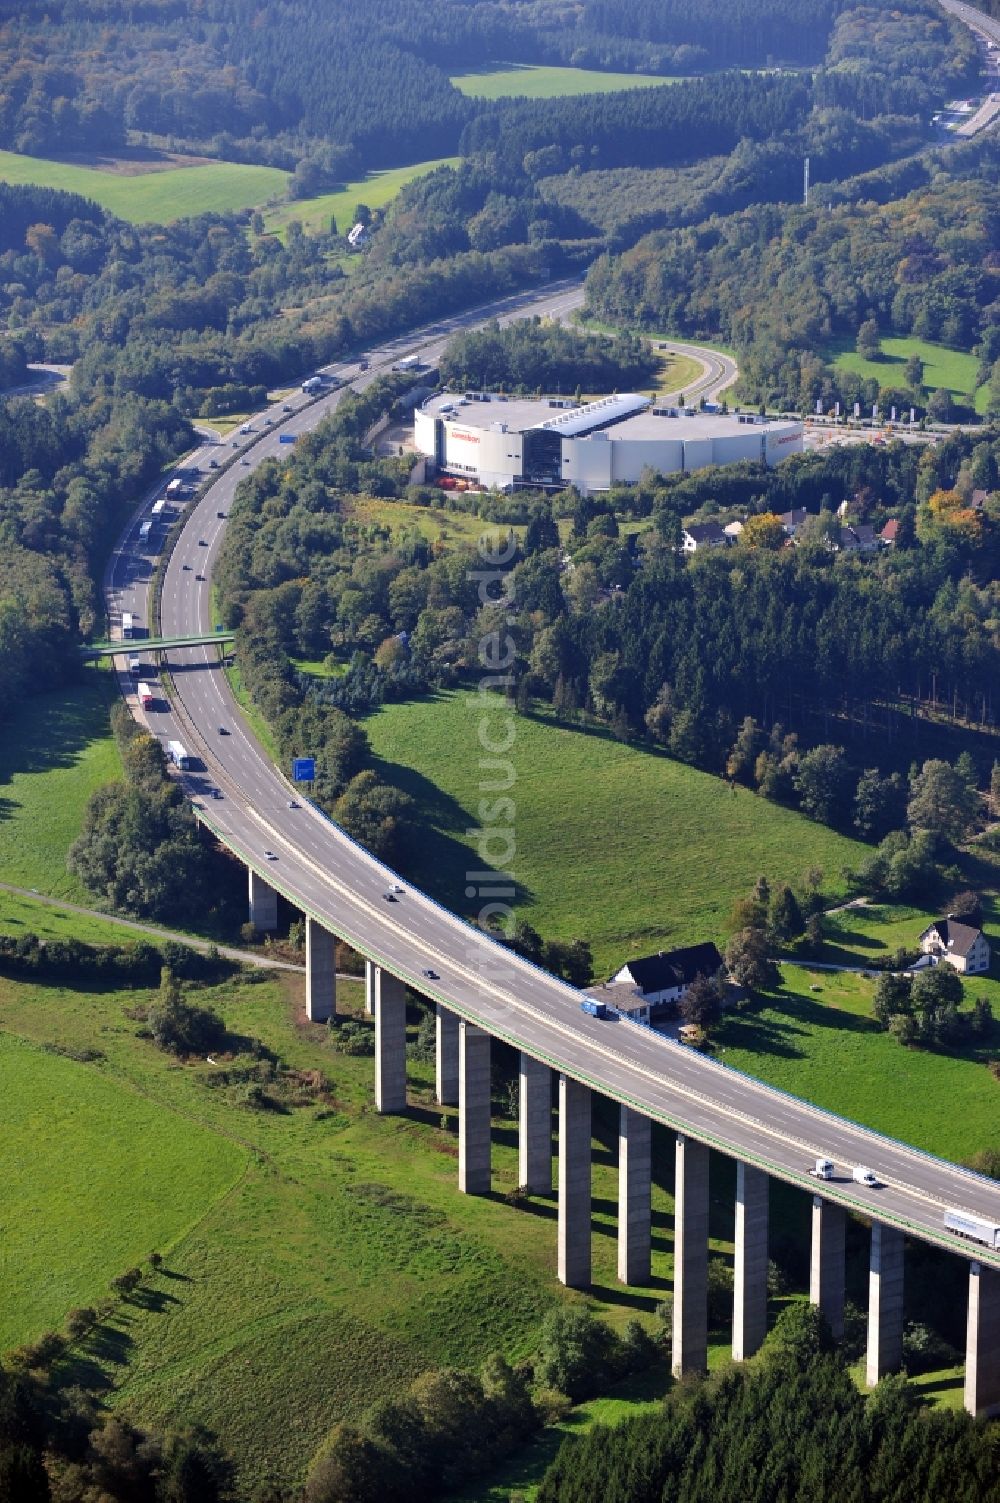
[576,1353]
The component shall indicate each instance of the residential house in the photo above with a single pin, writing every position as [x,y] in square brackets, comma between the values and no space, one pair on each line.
[961,945]
[890,532]
[703,535]
[792,520]
[655,983]
[859,538]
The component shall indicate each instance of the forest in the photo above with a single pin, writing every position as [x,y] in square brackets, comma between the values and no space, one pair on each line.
[780,283]
[792,1425]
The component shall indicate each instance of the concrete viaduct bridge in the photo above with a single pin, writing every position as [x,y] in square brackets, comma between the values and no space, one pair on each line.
[483,992]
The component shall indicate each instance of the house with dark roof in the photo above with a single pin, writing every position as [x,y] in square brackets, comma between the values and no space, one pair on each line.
[859,537]
[961,945]
[656,983]
[792,520]
[703,535]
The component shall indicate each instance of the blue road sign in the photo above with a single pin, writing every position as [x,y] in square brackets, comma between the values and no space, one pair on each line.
[304,769]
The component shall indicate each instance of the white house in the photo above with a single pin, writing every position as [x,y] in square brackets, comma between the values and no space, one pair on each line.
[656,982]
[961,945]
[703,535]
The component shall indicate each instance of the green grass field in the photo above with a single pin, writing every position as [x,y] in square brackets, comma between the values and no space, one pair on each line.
[153,197]
[817,1039]
[949,369]
[524,80]
[314,1261]
[624,846]
[55,751]
[376,190]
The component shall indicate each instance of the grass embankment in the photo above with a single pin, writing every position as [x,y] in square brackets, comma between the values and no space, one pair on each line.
[376,190]
[527,81]
[55,751]
[950,370]
[616,843]
[156,196]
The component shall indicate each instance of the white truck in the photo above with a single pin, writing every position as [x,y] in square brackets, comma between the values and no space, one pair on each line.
[862,1175]
[975,1228]
[822,1169]
[313,385]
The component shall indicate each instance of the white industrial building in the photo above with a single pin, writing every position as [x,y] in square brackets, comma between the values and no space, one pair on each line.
[506,442]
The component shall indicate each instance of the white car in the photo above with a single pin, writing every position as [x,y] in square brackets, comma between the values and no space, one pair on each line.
[270,856]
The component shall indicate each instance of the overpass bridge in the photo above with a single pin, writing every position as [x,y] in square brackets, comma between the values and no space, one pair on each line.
[481,992]
[126,646]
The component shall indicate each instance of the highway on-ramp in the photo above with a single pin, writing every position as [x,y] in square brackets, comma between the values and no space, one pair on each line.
[325,874]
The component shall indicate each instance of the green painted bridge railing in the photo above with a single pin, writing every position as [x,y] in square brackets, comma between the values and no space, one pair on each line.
[150,644]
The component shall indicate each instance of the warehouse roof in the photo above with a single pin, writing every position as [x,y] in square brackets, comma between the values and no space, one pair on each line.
[563,414]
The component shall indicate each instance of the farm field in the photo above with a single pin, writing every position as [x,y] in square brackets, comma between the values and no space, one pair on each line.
[621,845]
[55,752]
[153,197]
[951,370]
[528,81]
[376,190]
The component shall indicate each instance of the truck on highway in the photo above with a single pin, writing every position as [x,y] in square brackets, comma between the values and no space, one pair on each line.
[408,363]
[862,1175]
[128,624]
[593,1008]
[313,385]
[145,694]
[975,1228]
[134,665]
[177,489]
[287,438]
[159,507]
[145,528]
[822,1169]
[178,756]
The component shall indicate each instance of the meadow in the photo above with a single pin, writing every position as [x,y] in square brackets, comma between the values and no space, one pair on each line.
[619,844]
[153,197]
[54,753]
[314,1259]
[951,370]
[531,81]
[376,189]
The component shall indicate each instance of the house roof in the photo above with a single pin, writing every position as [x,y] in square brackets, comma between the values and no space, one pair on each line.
[658,973]
[793,518]
[956,937]
[705,532]
[890,532]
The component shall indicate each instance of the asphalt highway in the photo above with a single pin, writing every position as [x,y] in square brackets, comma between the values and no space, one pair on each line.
[326,875]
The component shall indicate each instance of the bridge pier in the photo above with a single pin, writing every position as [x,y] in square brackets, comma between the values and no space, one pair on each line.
[885,1303]
[370,969]
[446,1057]
[574,1184]
[534,1140]
[827,1262]
[263,903]
[473,1109]
[634,1191]
[982,1342]
[750,1264]
[690,1333]
[390,1042]
[321,972]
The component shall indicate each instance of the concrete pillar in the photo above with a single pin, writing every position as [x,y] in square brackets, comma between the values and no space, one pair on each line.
[574,1184]
[826,1264]
[634,1190]
[321,972]
[690,1335]
[885,1303]
[534,1141]
[982,1342]
[370,969]
[473,1109]
[750,1264]
[390,1042]
[446,1056]
[263,904]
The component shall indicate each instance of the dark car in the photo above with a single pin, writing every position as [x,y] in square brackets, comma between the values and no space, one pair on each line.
[245,460]
[200,576]
[213,464]
[221,515]
[187,567]
[223,731]
[216,792]
[390,897]
[432,975]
